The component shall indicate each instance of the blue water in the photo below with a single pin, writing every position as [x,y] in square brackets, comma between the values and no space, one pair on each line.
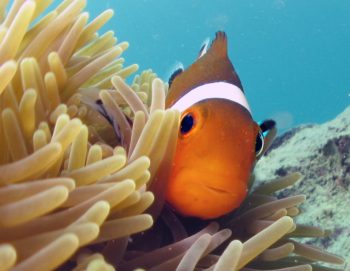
[293,56]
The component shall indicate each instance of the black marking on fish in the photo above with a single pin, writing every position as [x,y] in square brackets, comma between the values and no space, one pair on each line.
[174,74]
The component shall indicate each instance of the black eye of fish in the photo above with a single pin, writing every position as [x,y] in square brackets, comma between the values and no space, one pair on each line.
[259,145]
[187,123]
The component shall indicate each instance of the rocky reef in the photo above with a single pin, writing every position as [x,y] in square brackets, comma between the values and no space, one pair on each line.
[321,154]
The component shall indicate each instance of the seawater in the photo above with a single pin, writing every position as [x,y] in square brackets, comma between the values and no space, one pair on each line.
[293,56]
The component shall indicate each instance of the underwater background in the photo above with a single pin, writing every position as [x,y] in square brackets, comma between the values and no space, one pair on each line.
[292,55]
[75,184]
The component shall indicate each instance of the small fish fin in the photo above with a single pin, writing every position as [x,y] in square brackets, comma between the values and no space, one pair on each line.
[102,110]
[204,48]
[219,44]
[267,125]
[269,132]
[174,74]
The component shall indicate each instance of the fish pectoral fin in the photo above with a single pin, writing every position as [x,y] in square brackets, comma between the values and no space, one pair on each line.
[267,125]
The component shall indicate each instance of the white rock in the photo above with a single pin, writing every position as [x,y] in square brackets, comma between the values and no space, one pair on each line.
[322,154]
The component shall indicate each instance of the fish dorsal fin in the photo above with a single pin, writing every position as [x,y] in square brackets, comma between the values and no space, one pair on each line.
[213,66]
[219,45]
[204,48]
[174,74]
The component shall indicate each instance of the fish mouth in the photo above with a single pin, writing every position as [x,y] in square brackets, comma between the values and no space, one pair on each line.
[218,190]
[205,180]
[206,195]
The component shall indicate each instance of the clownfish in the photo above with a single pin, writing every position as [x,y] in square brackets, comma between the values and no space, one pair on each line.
[218,140]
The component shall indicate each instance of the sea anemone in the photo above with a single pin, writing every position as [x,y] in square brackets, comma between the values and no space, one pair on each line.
[85,158]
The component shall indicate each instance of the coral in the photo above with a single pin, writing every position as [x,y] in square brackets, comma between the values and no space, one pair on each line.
[321,154]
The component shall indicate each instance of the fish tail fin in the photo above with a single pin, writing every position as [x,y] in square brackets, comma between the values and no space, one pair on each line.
[219,44]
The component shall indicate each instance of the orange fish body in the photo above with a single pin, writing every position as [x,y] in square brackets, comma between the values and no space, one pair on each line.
[216,146]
